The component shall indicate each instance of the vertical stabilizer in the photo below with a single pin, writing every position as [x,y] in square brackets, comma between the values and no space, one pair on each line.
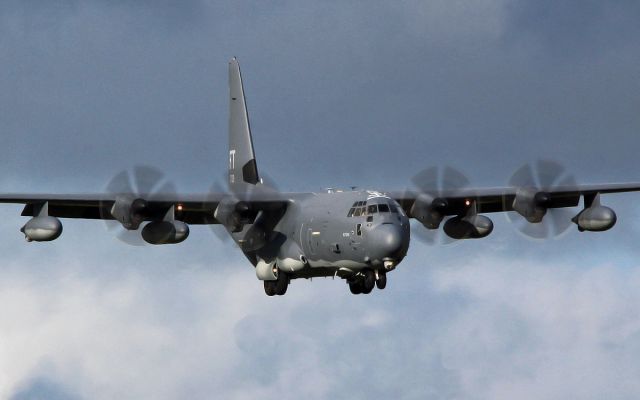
[242,161]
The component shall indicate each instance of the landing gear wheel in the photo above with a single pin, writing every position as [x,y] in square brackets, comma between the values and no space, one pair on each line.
[368,281]
[355,287]
[281,284]
[270,288]
[381,283]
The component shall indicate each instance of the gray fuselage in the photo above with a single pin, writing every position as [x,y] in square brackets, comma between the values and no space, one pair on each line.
[337,233]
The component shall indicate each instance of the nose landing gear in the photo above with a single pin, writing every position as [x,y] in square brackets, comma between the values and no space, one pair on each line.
[364,282]
[381,282]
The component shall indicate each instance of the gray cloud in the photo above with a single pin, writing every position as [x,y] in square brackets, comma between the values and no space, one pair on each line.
[43,388]
[40,16]
[583,29]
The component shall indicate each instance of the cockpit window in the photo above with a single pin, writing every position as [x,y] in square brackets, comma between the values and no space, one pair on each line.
[360,209]
[394,209]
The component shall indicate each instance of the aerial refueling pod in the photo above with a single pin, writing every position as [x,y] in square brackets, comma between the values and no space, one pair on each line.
[165,232]
[475,227]
[42,227]
[595,217]
[469,226]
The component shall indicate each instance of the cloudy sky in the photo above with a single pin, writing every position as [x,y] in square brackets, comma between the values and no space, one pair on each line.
[340,94]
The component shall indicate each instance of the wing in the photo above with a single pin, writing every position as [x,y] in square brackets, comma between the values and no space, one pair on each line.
[491,200]
[195,209]
[192,209]
[531,203]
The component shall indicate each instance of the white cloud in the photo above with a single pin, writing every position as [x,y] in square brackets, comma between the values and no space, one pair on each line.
[122,339]
[492,329]
[543,331]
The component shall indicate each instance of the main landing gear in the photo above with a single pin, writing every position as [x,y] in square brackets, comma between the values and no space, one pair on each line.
[366,281]
[277,287]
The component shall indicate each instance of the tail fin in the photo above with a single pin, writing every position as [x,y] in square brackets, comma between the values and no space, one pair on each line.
[242,160]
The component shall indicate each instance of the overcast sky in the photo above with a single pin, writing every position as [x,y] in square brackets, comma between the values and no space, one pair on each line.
[340,93]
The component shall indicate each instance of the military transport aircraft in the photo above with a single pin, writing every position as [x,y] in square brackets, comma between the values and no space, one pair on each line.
[356,235]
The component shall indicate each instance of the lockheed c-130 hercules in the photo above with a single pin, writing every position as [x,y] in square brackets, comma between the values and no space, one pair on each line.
[356,235]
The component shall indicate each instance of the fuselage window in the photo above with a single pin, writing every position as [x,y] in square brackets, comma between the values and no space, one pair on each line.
[351,213]
[359,229]
[383,208]
[372,209]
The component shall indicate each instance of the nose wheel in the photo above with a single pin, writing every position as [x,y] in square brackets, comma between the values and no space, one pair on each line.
[381,282]
[364,283]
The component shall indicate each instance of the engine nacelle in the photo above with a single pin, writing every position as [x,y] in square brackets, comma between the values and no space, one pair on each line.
[469,227]
[428,210]
[129,211]
[531,204]
[165,232]
[231,213]
[597,218]
[42,229]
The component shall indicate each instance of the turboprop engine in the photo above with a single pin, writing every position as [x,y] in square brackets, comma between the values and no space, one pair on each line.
[428,210]
[129,211]
[42,229]
[165,232]
[531,204]
[232,213]
[246,226]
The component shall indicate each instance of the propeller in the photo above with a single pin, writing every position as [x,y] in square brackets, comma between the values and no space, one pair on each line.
[432,184]
[533,182]
[130,188]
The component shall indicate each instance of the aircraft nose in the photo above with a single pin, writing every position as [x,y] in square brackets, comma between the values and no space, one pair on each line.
[386,239]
